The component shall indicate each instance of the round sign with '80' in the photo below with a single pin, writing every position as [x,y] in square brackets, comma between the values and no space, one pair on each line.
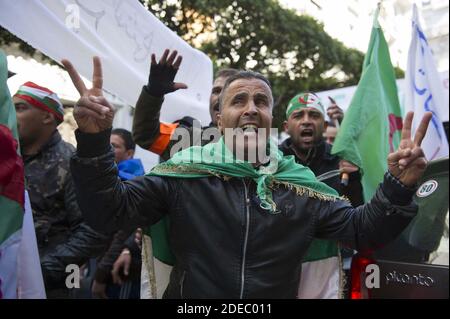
[427,188]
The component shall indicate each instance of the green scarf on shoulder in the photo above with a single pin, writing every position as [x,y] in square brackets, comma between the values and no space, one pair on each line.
[215,159]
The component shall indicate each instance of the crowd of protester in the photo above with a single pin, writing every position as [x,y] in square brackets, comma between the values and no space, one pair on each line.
[91,204]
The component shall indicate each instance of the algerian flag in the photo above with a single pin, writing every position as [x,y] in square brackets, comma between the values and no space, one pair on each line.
[424,92]
[322,275]
[372,124]
[20,269]
[157,260]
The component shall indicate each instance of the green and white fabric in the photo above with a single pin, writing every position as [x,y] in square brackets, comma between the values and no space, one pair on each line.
[42,98]
[304,100]
[20,269]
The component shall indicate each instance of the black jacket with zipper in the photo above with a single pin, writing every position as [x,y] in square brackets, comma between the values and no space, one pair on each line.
[225,245]
[321,161]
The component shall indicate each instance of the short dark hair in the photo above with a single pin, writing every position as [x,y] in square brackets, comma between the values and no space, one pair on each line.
[242,75]
[226,73]
[126,136]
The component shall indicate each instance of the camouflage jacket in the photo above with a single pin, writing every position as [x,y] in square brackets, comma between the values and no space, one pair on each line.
[62,236]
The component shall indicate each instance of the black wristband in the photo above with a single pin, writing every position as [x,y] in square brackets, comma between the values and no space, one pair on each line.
[395,191]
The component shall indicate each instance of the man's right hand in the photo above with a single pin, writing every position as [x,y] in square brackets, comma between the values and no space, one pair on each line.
[162,74]
[334,112]
[92,112]
[98,290]
[122,263]
[408,163]
[138,237]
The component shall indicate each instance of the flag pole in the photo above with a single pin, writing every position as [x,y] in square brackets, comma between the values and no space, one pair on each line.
[344,176]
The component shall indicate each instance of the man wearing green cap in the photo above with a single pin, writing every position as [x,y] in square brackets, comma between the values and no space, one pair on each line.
[62,237]
[305,124]
[238,228]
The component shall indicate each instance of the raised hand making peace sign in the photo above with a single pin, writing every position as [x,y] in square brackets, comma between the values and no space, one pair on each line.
[92,112]
[408,163]
[162,74]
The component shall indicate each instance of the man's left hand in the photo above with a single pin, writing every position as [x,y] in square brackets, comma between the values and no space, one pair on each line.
[408,163]
[347,167]
[92,112]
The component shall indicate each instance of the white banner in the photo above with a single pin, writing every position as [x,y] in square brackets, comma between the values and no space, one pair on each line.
[423,92]
[123,34]
[343,96]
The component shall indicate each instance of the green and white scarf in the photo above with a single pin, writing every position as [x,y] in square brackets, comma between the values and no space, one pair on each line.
[215,159]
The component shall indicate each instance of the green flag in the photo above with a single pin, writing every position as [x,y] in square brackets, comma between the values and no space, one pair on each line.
[372,124]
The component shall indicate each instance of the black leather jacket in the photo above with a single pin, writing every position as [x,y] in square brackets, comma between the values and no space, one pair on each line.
[225,245]
[321,161]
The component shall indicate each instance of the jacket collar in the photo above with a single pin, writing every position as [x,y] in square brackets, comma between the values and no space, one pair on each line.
[54,139]
[321,151]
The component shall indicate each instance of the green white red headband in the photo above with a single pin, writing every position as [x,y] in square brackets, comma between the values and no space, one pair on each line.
[304,100]
[41,98]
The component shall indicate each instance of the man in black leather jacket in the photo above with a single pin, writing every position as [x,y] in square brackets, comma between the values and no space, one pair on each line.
[225,244]
[305,124]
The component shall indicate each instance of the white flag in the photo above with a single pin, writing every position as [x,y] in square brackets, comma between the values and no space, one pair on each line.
[30,283]
[424,92]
